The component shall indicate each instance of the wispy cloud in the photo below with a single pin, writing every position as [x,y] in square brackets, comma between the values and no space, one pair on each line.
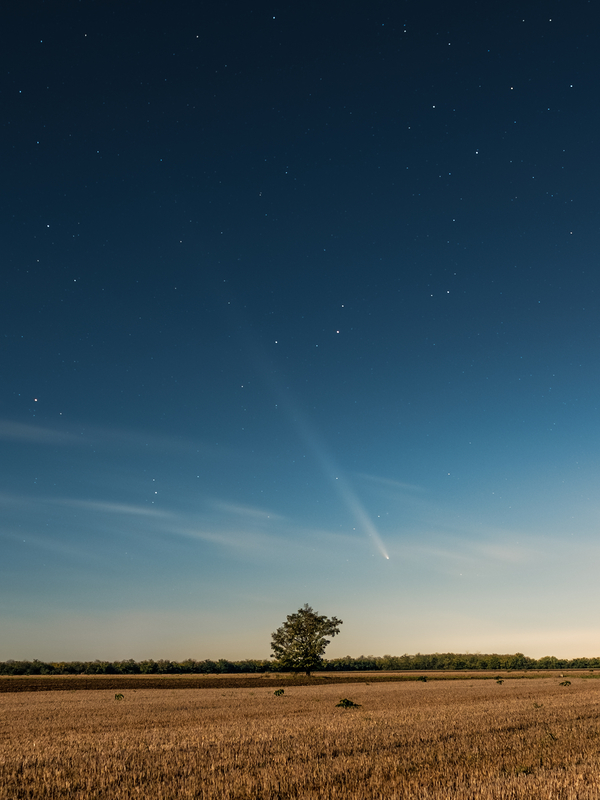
[238,540]
[50,544]
[15,501]
[105,437]
[239,528]
[109,508]
[145,441]
[279,542]
[481,549]
[508,551]
[248,512]
[103,506]
[469,553]
[34,434]
[389,483]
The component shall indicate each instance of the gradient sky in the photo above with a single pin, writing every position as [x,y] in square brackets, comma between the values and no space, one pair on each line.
[299,303]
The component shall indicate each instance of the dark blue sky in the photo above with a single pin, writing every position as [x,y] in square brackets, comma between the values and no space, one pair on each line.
[300,303]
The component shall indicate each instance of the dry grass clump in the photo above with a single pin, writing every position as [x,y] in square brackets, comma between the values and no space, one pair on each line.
[473,740]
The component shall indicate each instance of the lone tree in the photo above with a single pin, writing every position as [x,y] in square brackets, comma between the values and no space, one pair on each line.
[299,644]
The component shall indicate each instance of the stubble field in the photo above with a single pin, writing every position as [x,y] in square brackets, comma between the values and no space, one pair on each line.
[469,739]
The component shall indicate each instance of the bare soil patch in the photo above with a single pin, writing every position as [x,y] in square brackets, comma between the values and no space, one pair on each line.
[61,683]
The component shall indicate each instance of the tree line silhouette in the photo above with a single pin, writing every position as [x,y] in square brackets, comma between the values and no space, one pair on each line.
[435,661]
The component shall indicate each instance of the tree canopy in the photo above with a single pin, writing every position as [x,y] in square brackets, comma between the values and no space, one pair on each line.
[420,662]
[299,644]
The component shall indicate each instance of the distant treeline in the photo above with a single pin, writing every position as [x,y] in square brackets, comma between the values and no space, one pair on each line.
[436,661]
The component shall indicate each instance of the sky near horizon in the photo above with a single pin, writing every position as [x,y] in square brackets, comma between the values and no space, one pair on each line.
[299,304]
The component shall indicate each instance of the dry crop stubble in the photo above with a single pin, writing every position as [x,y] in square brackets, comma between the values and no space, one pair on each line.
[468,739]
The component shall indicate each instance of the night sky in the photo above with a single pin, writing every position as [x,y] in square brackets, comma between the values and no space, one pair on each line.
[299,303]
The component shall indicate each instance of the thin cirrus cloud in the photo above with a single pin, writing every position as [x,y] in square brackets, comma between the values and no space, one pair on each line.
[42,504]
[106,437]
[35,434]
[248,512]
[238,528]
[106,507]
[244,528]
[282,543]
[47,544]
[236,539]
[390,483]
[449,553]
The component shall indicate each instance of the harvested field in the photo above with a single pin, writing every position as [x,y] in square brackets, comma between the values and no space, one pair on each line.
[468,739]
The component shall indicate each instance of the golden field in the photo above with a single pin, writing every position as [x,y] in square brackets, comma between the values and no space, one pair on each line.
[469,739]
